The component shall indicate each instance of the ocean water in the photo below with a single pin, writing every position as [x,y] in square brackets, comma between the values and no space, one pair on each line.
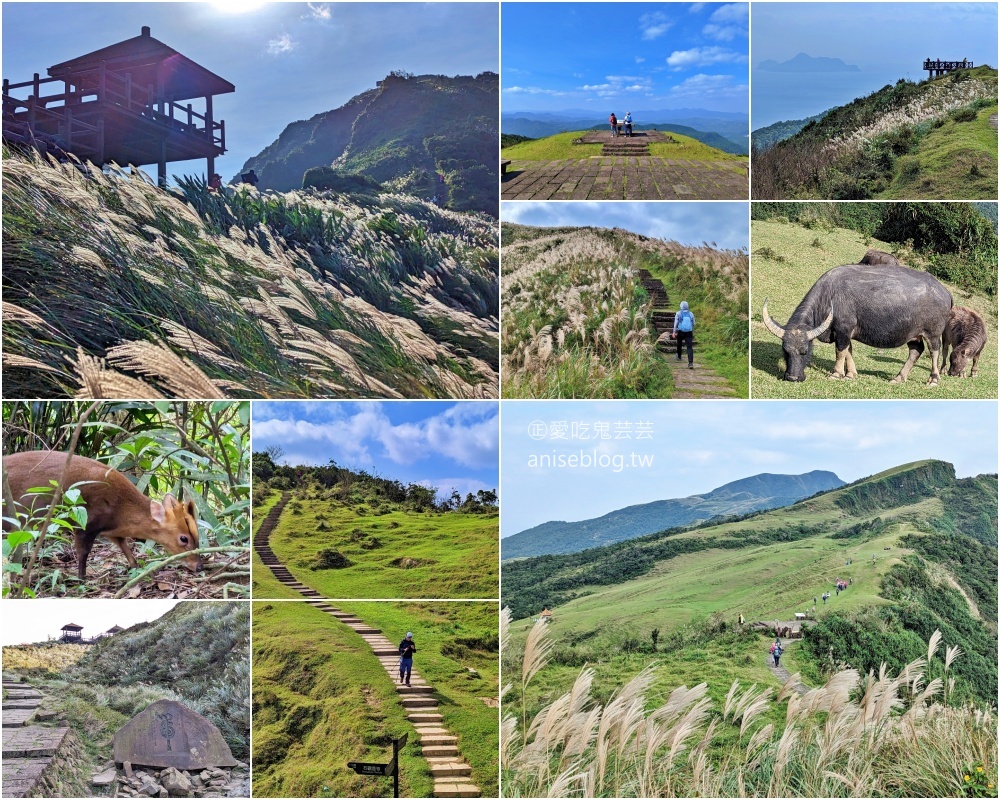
[778,96]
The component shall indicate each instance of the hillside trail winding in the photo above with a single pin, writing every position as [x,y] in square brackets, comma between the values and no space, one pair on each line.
[452,776]
[701,382]
[783,675]
[28,749]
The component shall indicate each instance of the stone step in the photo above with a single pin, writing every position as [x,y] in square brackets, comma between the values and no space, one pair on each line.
[17,717]
[424,717]
[20,775]
[32,742]
[414,689]
[455,789]
[438,740]
[23,694]
[31,702]
[448,767]
[438,750]
[419,702]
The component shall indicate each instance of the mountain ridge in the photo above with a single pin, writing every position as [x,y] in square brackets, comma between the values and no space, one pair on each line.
[753,493]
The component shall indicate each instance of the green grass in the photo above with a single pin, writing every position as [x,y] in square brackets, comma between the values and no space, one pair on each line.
[957,159]
[561,145]
[321,699]
[786,263]
[457,654]
[456,554]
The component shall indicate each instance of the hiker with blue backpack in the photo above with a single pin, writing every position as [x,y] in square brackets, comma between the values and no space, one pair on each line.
[684,332]
[776,651]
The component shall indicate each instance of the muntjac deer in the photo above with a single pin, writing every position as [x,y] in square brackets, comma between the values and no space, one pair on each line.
[115,508]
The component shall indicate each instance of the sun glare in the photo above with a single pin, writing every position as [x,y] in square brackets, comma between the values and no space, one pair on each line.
[238,6]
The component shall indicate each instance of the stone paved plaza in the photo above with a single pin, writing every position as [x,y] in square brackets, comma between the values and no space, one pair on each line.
[626,178]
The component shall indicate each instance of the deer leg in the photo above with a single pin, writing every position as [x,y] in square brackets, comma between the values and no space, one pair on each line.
[83,542]
[916,348]
[124,546]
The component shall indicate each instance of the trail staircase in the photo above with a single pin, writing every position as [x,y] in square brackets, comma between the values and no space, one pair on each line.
[28,749]
[452,776]
[625,146]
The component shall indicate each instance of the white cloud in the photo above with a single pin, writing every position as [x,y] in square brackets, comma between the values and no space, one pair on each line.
[533,90]
[696,7]
[320,12]
[654,25]
[714,86]
[728,22]
[639,59]
[703,56]
[283,44]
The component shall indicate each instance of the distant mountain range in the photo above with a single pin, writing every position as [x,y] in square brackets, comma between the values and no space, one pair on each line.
[776,132]
[727,131]
[427,135]
[754,493]
[806,63]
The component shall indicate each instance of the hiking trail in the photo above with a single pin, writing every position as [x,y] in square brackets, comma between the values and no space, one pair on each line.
[700,382]
[28,750]
[452,776]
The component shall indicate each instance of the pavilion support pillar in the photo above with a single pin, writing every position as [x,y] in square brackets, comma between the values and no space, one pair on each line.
[161,166]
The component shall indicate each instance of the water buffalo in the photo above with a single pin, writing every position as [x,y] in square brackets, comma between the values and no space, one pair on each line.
[881,306]
[875,257]
[966,333]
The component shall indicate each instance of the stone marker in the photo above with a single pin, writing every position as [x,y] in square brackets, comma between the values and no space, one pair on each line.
[169,734]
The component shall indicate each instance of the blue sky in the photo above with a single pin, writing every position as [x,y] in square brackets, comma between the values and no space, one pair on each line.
[887,41]
[95,615]
[440,444]
[726,224]
[624,56]
[288,61]
[697,446]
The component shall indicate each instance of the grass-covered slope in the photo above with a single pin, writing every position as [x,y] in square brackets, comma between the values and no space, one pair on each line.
[578,322]
[427,135]
[789,257]
[321,698]
[345,550]
[116,288]
[932,139]
[565,145]
[769,566]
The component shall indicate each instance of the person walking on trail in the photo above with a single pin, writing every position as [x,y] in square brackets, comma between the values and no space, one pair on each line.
[776,651]
[614,124]
[684,332]
[406,650]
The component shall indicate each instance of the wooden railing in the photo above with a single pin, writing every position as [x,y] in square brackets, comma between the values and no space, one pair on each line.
[108,88]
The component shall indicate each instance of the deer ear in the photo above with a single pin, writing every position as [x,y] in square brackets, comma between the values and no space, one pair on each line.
[189,507]
[157,511]
[170,502]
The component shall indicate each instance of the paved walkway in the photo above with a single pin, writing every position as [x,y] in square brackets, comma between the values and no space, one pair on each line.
[28,749]
[626,178]
[783,675]
[452,776]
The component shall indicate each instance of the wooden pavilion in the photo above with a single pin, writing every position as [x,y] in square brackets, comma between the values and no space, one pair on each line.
[71,632]
[129,102]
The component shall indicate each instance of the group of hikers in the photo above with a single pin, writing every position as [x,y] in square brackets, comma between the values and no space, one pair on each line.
[625,123]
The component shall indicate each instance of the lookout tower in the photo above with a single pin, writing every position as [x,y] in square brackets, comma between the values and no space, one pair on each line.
[936,67]
[71,632]
[129,102]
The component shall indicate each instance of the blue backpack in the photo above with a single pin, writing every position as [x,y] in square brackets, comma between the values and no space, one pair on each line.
[686,324]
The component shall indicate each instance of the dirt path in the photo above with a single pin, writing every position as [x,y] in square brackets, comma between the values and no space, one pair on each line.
[452,776]
[783,674]
[28,750]
[700,382]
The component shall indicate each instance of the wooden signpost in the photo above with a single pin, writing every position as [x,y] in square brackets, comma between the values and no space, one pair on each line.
[392,768]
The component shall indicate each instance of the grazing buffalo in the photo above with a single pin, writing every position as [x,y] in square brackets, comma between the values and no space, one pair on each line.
[881,306]
[876,257]
[966,333]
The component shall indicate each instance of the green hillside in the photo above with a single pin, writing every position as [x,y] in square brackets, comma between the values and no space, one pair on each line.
[564,145]
[321,698]
[425,135]
[649,618]
[114,288]
[932,139]
[794,247]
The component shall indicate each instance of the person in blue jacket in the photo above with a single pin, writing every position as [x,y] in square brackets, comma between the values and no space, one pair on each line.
[684,332]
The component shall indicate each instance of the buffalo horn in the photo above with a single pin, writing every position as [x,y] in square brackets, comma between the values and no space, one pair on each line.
[771,325]
[821,328]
